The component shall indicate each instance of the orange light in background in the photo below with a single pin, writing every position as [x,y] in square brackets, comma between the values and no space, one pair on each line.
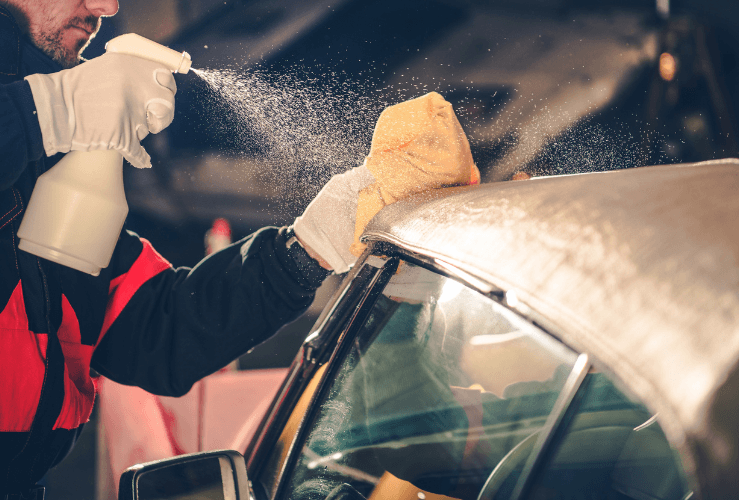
[667,66]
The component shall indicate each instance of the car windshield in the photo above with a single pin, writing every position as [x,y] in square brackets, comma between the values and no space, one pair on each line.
[439,385]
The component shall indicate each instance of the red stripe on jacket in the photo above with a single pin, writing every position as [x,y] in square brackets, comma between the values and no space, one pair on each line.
[79,392]
[23,353]
[14,315]
[148,264]
[22,366]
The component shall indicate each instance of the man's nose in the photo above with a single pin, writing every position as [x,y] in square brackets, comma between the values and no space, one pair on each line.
[101,8]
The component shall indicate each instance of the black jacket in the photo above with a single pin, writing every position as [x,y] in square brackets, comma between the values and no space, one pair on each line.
[140,322]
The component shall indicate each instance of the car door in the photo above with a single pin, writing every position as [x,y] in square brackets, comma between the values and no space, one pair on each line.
[437,390]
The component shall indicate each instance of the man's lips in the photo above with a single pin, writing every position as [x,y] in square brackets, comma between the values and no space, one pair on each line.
[88,31]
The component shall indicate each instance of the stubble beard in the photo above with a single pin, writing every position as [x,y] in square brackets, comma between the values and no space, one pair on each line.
[50,40]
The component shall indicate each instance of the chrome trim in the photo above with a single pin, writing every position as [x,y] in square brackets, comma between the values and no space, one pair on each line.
[461,270]
[455,272]
[572,385]
[652,420]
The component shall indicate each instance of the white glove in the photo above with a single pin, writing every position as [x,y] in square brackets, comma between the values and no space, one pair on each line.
[327,225]
[109,102]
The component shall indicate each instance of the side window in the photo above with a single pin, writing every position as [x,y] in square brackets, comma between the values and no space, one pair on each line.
[611,448]
[439,385]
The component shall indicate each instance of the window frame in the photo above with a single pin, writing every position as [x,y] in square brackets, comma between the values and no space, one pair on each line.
[348,330]
[341,320]
[321,347]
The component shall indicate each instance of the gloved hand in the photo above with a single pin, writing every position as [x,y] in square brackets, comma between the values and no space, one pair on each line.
[327,225]
[109,102]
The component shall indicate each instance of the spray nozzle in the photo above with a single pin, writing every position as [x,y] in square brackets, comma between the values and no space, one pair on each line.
[137,45]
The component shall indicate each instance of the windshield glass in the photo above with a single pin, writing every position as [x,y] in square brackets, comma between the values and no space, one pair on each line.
[439,385]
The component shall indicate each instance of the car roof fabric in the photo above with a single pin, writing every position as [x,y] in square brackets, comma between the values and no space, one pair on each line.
[638,267]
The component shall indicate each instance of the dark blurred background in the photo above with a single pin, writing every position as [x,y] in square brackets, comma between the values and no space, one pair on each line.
[544,86]
[541,86]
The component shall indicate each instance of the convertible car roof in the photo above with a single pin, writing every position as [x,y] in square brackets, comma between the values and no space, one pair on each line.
[639,268]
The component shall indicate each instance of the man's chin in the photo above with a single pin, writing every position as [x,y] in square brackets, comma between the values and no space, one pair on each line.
[58,54]
[72,57]
[64,58]
[65,54]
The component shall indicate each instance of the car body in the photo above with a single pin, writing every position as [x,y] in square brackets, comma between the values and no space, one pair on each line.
[561,337]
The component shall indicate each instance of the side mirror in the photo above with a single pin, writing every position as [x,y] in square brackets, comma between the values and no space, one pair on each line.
[212,475]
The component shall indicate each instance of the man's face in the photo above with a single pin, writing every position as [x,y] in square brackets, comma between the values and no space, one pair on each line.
[63,28]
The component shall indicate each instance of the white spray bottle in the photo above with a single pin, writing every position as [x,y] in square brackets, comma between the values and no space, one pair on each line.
[78,207]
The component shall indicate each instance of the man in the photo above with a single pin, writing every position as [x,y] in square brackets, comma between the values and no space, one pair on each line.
[140,322]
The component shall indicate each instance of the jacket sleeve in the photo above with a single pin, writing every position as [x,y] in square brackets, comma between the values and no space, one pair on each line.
[166,328]
[20,133]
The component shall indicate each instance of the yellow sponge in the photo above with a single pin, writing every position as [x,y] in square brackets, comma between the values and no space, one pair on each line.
[417,145]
